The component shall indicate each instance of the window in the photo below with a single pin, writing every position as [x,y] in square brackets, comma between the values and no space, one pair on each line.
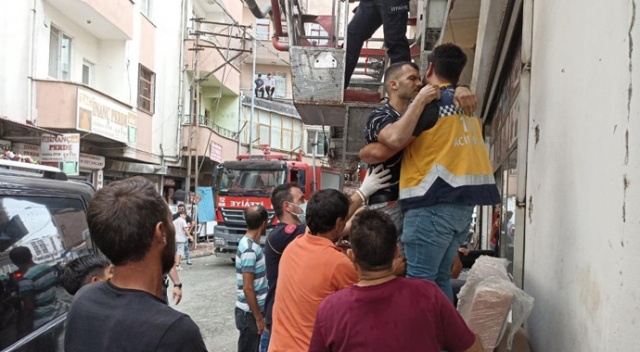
[312,137]
[146,89]
[55,231]
[59,54]
[262,29]
[145,7]
[279,131]
[87,67]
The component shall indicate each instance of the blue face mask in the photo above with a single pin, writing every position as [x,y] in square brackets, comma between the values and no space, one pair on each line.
[302,217]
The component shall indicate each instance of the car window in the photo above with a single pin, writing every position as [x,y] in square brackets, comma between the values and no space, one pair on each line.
[38,236]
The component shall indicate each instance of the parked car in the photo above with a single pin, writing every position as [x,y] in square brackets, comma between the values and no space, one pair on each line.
[42,210]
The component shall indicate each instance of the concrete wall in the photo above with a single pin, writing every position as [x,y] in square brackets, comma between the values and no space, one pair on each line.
[15,26]
[582,244]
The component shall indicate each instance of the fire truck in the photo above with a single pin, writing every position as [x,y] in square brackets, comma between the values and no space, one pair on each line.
[250,180]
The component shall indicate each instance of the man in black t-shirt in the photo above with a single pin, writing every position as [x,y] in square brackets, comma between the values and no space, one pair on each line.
[131,224]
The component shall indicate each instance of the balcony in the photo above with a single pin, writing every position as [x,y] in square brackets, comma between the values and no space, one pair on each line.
[109,20]
[215,142]
[281,108]
[210,59]
[68,106]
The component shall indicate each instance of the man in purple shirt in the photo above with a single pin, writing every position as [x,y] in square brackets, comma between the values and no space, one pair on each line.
[383,312]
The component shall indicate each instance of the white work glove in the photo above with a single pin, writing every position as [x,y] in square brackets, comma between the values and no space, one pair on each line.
[375,180]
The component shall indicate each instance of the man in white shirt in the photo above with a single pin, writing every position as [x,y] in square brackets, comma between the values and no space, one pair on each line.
[182,235]
[271,86]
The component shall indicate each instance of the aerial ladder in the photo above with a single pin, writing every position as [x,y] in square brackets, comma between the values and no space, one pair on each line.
[317,49]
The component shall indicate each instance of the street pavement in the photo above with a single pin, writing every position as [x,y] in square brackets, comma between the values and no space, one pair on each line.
[209,294]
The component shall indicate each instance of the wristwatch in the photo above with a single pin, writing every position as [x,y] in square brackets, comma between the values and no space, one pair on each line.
[178,285]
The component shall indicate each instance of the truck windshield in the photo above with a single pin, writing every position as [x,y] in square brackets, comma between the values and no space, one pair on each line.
[250,181]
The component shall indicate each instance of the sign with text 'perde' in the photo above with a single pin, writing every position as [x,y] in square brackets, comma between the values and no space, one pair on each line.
[62,151]
[99,115]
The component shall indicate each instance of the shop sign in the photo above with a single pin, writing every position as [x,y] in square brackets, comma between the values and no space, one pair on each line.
[215,152]
[63,150]
[30,150]
[91,162]
[99,115]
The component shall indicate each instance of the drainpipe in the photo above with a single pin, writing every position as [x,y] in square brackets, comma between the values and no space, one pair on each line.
[32,60]
[255,10]
[183,25]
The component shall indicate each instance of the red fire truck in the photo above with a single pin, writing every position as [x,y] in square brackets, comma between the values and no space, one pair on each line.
[250,180]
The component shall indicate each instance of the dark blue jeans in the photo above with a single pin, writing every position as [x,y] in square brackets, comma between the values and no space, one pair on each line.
[249,339]
[431,238]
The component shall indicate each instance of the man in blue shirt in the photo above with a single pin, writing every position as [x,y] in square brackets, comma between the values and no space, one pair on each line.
[251,278]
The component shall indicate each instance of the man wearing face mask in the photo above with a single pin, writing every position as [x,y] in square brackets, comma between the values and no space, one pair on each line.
[290,205]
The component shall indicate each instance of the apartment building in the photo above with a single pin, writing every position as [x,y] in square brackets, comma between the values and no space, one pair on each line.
[115,79]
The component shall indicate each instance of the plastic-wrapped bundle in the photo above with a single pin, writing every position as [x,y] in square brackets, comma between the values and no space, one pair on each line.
[488,297]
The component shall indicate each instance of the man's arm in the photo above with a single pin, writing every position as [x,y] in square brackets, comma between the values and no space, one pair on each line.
[395,135]
[252,299]
[376,179]
[26,316]
[175,280]
[465,99]
[376,153]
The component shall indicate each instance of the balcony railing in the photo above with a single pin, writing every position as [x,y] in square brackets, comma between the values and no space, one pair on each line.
[275,106]
[208,122]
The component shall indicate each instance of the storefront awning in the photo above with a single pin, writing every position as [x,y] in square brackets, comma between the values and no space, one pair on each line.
[21,132]
[141,168]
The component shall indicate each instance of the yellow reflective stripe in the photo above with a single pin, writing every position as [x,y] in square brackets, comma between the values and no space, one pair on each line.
[442,172]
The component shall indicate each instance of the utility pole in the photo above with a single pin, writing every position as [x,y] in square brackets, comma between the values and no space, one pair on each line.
[253,96]
[193,122]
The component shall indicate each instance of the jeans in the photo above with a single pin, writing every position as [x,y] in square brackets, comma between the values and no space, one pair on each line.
[264,341]
[368,17]
[431,238]
[187,253]
[249,339]
[395,212]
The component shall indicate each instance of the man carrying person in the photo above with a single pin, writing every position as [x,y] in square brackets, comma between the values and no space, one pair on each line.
[270,86]
[131,224]
[259,86]
[382,312]
[251,280]
[290,205]
[182,237]
[392,125]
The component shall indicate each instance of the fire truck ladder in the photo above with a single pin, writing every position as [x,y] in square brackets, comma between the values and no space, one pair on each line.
[316,45]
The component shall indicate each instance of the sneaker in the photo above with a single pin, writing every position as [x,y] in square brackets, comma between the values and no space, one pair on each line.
[189,263]
[179,268]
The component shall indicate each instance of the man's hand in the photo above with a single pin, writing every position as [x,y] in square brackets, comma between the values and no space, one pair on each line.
[465,99]
[399,266]
[376,179]
[429,93]
[177,295]
[261,324]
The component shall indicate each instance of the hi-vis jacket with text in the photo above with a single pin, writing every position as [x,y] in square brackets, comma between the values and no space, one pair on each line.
[448,163]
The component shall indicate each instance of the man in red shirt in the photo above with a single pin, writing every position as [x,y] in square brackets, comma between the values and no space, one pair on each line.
[383,312]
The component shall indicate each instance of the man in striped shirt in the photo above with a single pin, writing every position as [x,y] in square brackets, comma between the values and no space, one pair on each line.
[251,280]
[37,289]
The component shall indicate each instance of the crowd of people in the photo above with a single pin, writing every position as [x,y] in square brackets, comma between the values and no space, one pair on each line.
[389,291]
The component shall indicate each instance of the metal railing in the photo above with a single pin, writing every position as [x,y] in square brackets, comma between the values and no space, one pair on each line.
[283,108]
[209,122]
